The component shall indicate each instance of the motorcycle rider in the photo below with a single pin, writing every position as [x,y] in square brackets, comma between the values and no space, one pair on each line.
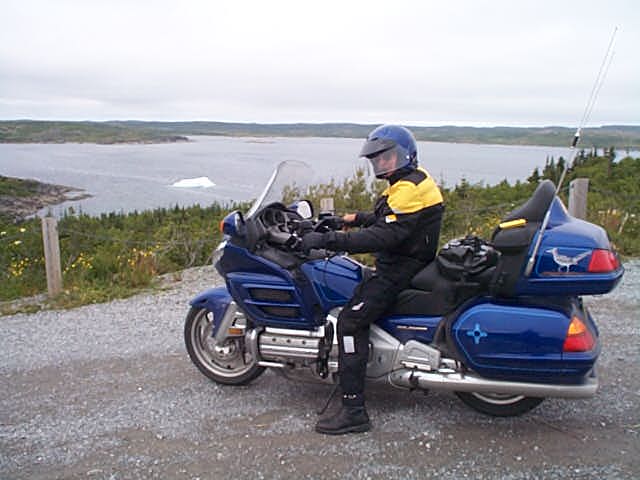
[403,232]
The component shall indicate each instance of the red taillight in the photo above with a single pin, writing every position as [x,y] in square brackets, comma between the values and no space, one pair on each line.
[579,338]
[603,261]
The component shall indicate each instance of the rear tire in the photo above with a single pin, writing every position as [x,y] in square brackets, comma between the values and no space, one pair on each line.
[228,364]
[499,405]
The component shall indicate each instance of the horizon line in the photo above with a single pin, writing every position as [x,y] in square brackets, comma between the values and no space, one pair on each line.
[324,122]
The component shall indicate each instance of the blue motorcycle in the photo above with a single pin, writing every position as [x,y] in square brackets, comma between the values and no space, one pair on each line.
[501,323]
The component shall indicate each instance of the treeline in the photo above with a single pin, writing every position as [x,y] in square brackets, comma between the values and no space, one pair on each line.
[24,131]
[613,201]
[115,254]
[28,131]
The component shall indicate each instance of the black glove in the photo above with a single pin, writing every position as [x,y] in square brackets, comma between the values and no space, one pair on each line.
[313,240]
[330,223]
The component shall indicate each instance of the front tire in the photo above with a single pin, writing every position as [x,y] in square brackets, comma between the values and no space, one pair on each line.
[499,405]
[229,363]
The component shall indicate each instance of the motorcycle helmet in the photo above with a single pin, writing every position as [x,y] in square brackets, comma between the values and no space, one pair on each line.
[385,141]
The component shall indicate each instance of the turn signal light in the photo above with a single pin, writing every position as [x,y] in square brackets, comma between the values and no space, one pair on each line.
[221,226]
[579,338]
[603,261]
[235,332]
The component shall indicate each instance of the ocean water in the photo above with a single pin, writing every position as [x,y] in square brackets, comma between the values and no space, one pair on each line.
[224,169]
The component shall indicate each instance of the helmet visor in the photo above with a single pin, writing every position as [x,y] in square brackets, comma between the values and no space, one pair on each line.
[374,146]
[389,161]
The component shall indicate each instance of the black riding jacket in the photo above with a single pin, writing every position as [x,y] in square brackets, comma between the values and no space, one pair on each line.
[405,223]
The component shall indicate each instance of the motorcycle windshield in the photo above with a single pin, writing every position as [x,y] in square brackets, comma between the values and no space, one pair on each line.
[288,177]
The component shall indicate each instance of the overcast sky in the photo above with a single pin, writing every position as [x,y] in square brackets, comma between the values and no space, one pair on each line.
[414,62]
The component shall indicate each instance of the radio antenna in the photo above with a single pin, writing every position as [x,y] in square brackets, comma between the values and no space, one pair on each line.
[595,91]
[602,73]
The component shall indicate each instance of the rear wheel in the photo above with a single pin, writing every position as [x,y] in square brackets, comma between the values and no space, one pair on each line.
[499,405]
[228,363]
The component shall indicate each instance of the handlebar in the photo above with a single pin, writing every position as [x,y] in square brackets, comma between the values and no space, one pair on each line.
[329,223]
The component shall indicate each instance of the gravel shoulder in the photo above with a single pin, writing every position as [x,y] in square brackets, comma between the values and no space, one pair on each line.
[107,391]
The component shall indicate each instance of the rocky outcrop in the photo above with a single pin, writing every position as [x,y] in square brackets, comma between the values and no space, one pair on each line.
[31,195]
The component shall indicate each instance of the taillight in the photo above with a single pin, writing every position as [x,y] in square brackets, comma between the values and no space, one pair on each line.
[579,338]
[603,261]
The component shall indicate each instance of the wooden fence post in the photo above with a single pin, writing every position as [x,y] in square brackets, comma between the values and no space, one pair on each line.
[578,189]
[52,255]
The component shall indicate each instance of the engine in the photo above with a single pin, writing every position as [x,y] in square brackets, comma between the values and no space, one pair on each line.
[283,347]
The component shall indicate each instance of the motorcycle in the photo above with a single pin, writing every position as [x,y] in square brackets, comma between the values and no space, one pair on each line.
[501,324]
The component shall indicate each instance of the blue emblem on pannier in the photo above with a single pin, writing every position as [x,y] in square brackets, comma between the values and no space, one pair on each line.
[477,334]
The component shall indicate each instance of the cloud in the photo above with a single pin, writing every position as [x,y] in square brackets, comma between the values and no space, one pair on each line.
[443,62]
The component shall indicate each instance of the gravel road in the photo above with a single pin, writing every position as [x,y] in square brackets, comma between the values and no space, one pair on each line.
[108,392]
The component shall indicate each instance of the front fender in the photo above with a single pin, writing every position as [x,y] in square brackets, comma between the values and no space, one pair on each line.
[215,300]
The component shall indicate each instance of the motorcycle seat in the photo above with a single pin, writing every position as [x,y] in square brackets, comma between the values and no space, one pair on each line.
[433,294]
[412,302]
[534,209]
[429,294]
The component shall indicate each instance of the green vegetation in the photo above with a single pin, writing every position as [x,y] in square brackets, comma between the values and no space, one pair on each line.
[613,201]
[79,132]
[110,256]
[117,254]
[25,131]
[18,187]
[20,197]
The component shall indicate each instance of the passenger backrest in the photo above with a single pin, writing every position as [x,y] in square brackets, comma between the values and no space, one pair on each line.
[512,238]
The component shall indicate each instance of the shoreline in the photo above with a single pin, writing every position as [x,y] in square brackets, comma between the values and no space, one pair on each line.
[158,141]
[32,195]
[270,139]
[621,137]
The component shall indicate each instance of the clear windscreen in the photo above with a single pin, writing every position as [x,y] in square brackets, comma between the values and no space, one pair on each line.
[290,180]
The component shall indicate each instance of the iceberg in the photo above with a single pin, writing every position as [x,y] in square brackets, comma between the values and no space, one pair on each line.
[200,182]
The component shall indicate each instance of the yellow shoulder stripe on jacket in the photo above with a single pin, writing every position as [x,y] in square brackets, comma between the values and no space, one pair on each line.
[408,197]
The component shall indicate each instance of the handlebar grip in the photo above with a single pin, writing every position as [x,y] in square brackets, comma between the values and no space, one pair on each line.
[331,223]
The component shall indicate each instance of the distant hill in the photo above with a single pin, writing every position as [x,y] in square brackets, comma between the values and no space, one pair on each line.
[29,131]
[26,131]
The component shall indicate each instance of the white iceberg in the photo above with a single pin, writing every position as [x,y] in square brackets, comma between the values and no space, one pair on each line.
[200,182]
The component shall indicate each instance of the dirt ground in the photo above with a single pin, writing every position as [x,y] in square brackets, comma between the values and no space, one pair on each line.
[108,392]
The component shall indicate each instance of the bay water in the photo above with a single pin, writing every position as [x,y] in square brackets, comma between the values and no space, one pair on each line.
[129,177]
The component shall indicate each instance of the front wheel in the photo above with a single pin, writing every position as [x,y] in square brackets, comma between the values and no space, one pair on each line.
[499,405]
[229,363]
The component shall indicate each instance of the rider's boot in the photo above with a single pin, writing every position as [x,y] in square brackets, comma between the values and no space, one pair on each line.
[351,418]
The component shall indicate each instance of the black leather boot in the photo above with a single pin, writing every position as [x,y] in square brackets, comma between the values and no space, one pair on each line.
[346,420]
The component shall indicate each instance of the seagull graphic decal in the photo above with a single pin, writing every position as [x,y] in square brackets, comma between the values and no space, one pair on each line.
[565,262]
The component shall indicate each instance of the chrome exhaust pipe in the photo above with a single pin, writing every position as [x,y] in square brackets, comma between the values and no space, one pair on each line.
[469,382]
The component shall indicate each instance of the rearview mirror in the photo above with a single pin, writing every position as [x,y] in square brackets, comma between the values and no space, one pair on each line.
[303,208]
